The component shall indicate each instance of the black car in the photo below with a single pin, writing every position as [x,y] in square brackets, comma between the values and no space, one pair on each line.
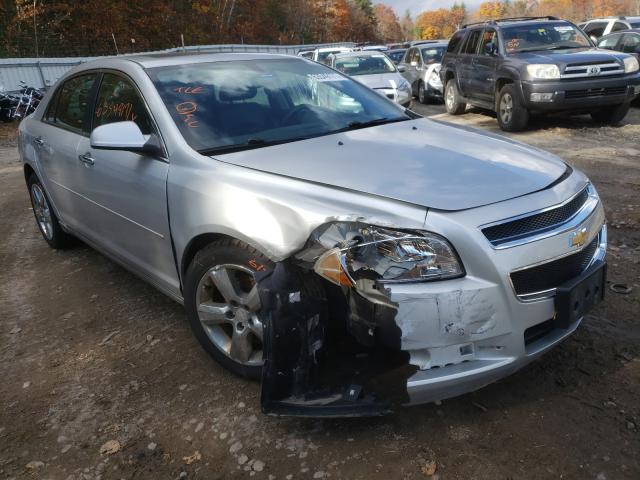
[519,66]
[627,41]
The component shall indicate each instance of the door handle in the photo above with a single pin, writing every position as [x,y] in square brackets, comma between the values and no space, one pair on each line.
[38,141]
[86,159]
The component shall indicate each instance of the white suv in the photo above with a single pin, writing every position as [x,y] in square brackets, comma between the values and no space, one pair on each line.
[604,26]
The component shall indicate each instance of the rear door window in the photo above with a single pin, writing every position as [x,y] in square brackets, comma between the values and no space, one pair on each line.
[72,101]
[119,101]
[619,26]
[595,29]
[471,47]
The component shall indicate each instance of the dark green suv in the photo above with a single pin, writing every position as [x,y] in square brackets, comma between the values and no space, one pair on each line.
[517,66]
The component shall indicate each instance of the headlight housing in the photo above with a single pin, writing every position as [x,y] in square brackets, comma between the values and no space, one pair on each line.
[543,71]
[376,253]
[631,65]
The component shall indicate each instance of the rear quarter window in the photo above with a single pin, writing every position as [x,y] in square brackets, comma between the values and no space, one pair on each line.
[455,41]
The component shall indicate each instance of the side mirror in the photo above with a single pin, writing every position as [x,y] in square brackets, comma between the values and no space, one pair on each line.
[124,136]
[402,68]
[593,39]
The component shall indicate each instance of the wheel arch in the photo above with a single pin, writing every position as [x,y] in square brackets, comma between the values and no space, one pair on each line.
[28,171]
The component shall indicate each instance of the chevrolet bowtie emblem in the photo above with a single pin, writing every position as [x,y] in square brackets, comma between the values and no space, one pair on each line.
[578,238]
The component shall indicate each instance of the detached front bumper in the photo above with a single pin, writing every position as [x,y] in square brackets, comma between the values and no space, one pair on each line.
[578,95]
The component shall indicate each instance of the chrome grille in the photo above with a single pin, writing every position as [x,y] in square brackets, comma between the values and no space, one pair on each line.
[590,70]
[536,223]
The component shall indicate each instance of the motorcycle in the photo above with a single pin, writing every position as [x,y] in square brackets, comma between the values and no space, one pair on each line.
[19,105]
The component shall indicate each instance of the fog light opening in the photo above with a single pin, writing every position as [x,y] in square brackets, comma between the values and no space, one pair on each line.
[541,97]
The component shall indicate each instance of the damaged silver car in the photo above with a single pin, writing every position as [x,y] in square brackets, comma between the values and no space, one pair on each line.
[349,253]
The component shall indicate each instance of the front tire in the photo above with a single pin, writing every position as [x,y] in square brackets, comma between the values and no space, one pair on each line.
[611,115]
[452,99]
[46,219]
[222,302]
[513,116]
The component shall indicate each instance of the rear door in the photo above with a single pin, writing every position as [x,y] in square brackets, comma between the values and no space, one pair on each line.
[125,192]
[466,63]
[56,138]
[485,64]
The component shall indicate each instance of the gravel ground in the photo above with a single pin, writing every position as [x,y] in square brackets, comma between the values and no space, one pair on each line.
[101,377]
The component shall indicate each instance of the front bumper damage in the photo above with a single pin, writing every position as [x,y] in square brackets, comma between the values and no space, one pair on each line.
[364,351]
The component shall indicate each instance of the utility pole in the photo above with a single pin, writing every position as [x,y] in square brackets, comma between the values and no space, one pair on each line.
[35,28]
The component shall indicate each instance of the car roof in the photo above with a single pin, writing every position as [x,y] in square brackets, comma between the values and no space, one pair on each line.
[513,22]
[431,45]
[360,53]
[609,19]
[153,60]
[331,49]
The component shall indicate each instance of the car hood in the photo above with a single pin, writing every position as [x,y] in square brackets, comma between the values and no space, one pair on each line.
[380,80]
[562,58]
[422,162]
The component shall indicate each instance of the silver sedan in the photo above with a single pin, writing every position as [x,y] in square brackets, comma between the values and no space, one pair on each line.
[350,253]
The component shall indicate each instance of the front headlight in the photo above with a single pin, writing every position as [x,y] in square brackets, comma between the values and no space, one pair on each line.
[631,65]
[543,71]
[376,253]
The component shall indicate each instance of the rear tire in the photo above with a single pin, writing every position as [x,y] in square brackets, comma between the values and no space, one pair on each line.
[423,98]
[611,115]
[452,99]
[513,116]
[46,218]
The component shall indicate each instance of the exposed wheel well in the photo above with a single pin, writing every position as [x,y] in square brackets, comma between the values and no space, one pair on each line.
[501,83]
[28,171]
[448,76]
[195,245]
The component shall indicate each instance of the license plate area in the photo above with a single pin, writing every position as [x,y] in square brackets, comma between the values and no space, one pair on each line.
[576,297]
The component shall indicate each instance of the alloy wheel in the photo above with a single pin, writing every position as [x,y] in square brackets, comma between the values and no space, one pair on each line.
[228,303]
[506,108]
[42,211]
[450,96]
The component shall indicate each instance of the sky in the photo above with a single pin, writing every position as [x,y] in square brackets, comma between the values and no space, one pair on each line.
[417,6]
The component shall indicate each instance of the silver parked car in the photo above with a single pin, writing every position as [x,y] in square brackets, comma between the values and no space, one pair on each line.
[375,70]
[352,254]
[421,67]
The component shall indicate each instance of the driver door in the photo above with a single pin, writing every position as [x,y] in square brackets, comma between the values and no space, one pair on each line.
[125,192]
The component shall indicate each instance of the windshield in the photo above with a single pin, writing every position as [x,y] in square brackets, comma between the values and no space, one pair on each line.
[396,55]
[225,106]
[432,55]
[543,36]
[365,64]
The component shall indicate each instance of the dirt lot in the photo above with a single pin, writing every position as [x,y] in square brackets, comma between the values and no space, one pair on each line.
[89,354]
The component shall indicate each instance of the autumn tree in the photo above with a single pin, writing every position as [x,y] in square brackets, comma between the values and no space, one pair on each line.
[440,23]
[388,25]
[408,27]
[491,10]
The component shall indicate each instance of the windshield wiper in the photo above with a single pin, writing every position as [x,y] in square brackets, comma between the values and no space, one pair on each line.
[541,49]
[356,125]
